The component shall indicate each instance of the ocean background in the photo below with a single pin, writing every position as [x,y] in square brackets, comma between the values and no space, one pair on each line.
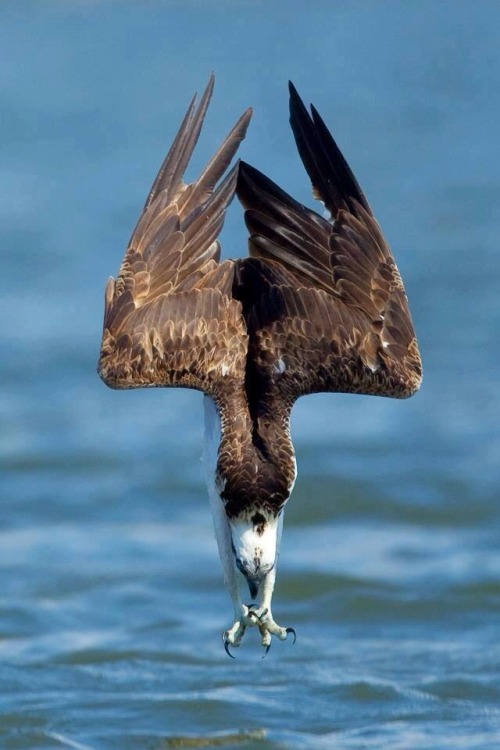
[111,596]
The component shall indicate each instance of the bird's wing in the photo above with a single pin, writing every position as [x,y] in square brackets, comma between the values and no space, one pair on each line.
[170,319]
[325,305]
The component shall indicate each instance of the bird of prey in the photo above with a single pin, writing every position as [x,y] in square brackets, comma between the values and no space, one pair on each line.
[318,305]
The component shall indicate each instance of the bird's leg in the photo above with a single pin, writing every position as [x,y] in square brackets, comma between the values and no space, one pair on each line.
[233,636]
[262,614]
[252,615]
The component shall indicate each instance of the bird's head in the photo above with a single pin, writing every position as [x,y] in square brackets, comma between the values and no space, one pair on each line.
[254,541]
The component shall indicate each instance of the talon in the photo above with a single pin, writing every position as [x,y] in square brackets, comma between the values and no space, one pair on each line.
[292,631]
[264,621]
[226,646]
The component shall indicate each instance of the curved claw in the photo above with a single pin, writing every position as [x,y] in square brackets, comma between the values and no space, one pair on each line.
[292,631]
[266,651]
[226,646]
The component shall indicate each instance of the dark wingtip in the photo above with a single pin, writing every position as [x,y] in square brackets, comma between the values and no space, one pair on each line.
[247,175]
[255,190]
[328,170]
[246,170]
[294,94]
[296,103]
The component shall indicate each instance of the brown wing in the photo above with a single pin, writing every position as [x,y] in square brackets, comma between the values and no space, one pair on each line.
[169,317]
[328,311]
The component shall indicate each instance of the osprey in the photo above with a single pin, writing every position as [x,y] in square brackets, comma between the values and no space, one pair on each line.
[318,306]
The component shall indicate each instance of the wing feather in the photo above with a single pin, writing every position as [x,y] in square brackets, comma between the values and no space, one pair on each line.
[170,319]
[327,299]
[332,179]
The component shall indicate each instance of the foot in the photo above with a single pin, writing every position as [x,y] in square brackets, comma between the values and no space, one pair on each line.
[255,617]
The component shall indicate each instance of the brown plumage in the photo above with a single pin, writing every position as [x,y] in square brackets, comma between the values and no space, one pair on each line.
[170,319]
[318,306]
[330,303]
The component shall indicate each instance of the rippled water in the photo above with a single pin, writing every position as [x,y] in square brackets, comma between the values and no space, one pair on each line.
[111,596]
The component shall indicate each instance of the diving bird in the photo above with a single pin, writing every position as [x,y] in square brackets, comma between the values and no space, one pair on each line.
[318,305]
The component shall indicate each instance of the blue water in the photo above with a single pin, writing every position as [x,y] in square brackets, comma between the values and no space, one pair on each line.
[111,595]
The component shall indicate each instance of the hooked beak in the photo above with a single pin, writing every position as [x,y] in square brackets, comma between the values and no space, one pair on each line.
[253,586]
[253,579]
